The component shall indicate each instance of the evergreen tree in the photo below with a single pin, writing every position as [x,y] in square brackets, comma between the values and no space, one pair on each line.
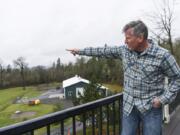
[91,92]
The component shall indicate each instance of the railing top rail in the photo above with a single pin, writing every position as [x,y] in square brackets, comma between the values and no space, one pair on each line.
[57,116]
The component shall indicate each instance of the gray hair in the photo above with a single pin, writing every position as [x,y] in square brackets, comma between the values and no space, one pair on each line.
[139,28]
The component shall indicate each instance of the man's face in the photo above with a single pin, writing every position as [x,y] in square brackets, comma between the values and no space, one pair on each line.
[133,42]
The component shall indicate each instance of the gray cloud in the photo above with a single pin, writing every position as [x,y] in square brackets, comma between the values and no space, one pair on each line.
[41,30]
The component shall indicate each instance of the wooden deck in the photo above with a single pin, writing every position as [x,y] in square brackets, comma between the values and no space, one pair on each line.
[173,127]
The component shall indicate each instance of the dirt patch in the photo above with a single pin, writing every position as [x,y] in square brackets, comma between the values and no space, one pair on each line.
[23,115]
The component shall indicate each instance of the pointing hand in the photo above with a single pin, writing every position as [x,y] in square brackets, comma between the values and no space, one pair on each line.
[73,51]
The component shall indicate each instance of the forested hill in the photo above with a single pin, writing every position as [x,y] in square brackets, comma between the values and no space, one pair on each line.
[18,74]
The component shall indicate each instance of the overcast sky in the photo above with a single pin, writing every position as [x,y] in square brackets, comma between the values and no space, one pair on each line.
[41,30]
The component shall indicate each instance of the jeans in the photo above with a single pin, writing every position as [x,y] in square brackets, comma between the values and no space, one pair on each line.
[151,122]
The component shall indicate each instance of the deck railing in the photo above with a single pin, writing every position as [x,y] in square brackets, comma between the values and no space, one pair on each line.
[175,103]
[99,117]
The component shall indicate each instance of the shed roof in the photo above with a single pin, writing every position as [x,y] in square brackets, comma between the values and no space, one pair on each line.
[74,80]
[77,79]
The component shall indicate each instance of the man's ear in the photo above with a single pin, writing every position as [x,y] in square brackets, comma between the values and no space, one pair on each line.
[140,38]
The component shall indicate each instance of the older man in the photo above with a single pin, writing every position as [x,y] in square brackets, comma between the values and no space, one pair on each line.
[145,66]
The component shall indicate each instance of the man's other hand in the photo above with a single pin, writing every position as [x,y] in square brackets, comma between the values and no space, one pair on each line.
[156,102]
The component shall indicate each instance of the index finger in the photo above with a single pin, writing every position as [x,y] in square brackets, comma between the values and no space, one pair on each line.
[69,49]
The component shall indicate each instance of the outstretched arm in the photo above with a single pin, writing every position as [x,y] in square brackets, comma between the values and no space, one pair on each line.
[107,52]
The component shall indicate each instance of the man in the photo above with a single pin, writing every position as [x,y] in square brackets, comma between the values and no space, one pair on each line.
[145,66]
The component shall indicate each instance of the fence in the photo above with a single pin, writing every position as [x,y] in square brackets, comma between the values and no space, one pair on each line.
[104,115]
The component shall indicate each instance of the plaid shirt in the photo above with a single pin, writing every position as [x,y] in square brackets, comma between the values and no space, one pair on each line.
[144,74]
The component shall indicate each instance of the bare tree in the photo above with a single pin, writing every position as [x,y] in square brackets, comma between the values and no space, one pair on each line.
[163,18]
[1,73]
[21,64]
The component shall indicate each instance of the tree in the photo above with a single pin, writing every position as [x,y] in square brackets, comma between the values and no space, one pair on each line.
[91,93]
[177,50]
[163,19]
[80,66]
[8,69]
[59,70]
[58,65]
[1,73]
[42,74]
[21,64]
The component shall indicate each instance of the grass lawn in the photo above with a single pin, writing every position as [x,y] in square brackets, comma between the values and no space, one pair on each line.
[115,88]
[6,115]
[7,106]
[9,96]
[45,87]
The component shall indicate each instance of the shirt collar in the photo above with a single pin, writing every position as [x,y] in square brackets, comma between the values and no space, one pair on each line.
[149,49]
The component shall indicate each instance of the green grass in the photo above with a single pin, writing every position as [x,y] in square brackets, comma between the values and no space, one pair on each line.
[8,96]
[115,88]
[7,106]
[6,115]
[48,86]
[32,92]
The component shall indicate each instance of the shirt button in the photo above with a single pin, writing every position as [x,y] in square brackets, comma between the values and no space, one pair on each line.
[137,67]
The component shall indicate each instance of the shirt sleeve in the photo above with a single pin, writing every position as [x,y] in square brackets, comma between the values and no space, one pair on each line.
[106,52]
[171,69]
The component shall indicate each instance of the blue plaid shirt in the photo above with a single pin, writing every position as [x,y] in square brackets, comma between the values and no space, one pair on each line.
[144,74]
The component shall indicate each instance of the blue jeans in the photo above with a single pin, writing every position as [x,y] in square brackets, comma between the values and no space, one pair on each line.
[151,122]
